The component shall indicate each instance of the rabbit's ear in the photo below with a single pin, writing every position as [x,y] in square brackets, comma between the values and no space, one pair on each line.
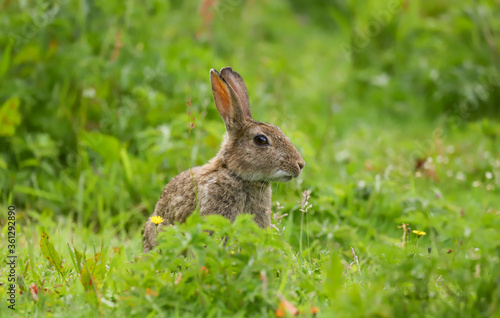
[238,85]
[227,103]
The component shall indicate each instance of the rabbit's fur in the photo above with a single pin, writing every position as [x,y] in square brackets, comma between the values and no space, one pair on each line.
[237,180]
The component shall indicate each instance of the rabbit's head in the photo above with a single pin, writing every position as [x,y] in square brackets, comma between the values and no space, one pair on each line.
[254,151]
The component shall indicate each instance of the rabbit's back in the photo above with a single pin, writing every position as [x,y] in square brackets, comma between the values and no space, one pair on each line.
[176,203]
[215,190]
[178,198]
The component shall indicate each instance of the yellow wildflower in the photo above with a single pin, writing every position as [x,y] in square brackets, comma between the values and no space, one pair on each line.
[419,233]
[156,219]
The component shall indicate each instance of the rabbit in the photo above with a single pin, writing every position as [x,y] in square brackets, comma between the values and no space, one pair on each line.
[237,180]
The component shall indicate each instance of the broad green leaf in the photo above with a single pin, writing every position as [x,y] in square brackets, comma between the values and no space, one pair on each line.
[92,277]
[10,118]
[4,63]
[50,253]
[90,285]
[333,283]
[95,267]
[28,53]
[127,167]
[107,146]
[37,193]
[3,163]
[78,258]
[31,162]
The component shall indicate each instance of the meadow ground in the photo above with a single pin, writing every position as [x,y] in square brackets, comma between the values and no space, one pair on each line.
[393,107]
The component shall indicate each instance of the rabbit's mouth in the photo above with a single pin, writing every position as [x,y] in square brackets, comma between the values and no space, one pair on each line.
[285,179]
[282,176]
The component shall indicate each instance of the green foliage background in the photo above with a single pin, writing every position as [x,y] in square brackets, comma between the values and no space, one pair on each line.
[394,106]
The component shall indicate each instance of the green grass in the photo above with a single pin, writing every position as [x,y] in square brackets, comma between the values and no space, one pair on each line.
[404,130]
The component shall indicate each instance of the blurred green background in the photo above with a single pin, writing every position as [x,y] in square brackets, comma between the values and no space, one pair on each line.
[94,94]
[393,104]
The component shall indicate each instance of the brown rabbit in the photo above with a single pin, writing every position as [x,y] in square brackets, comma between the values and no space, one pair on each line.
[237,180]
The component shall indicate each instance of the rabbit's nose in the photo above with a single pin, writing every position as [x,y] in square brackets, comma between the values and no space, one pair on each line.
[301,164]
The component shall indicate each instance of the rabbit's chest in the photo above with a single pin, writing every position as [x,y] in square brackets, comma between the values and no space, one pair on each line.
[256,198]
[228,196]
[258,203]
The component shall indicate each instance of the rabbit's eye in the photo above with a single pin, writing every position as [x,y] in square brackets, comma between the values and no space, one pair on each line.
[261,140]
